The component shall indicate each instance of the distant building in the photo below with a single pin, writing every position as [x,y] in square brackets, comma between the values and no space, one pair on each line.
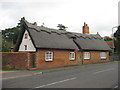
[110,44]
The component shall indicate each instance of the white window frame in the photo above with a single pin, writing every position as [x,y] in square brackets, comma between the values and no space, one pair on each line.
[25,47]
[72,56]
[26,36]
[103,55]
[48,56]
[86,55]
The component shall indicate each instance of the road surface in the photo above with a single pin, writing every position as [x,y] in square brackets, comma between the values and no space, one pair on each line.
[103,75]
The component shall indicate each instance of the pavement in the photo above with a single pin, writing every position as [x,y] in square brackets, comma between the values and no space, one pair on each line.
[24,73]
[104,75]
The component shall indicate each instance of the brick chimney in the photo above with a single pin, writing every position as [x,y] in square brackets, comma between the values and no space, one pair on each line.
[85,29]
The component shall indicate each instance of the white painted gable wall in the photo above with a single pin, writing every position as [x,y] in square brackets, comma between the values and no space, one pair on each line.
[28,42]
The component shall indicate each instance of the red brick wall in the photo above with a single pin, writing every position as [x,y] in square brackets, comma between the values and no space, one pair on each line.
[21,60]
[15,60]
[94,57]
[60,58]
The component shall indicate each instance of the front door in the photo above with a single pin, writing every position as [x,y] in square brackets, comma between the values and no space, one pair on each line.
[32,60]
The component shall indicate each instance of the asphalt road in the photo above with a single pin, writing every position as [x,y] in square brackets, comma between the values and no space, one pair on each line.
[93,76]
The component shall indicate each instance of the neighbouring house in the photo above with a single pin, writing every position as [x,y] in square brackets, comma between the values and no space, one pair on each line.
[55,48]
[110,44]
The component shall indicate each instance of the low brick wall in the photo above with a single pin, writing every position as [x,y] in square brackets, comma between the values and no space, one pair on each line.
[14,60]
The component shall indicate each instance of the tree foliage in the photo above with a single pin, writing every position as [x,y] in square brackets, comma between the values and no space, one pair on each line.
[9,38]
[107,38]
[62,27]
[117,33]
[117,41]
[10,34]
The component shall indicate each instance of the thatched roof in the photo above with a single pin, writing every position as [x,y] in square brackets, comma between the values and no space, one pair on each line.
[47,38]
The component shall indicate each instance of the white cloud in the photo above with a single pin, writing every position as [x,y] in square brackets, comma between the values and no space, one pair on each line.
[101,15]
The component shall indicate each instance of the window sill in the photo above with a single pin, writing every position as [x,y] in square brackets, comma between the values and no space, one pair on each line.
[103,58]
[72,59]
[86,59]
[48,60]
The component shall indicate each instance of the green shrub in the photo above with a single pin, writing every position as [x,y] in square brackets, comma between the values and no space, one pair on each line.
[8,67]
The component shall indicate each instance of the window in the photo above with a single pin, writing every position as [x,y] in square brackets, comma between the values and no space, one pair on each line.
[26,36]
[86,55]
[72,56]
[25,47]
[103,55]
[49,56]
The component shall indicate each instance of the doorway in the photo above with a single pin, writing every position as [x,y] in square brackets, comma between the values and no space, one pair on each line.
[32,60]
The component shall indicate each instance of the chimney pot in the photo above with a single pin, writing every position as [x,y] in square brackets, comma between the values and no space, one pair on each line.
[84,23]
[85,29]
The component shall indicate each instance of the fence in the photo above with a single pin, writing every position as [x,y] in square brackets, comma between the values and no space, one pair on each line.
[115,57]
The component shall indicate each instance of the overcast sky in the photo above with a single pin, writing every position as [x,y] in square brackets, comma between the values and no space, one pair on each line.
[100,15]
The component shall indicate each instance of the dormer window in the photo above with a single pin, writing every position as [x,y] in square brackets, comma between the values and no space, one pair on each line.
[26,35]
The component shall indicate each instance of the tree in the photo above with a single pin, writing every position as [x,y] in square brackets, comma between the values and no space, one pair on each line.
[117,40]
[117,33]
[10,34]
[107,38]
[9,38]
[5,47]
[62,27]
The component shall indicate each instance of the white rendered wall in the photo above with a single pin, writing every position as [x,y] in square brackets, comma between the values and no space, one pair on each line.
[28,42]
